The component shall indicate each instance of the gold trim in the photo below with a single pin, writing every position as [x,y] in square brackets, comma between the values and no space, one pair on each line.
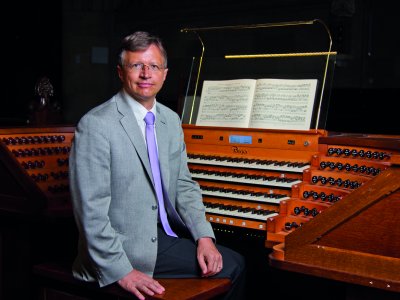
[273,55]
[253,26]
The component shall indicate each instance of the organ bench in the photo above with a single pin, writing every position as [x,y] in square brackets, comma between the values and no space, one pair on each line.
[57,283]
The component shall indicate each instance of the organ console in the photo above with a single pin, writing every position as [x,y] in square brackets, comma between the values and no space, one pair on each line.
[325,203]
[34,169]
[245,174]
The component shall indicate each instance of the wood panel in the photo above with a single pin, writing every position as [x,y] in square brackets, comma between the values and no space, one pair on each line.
[357,240]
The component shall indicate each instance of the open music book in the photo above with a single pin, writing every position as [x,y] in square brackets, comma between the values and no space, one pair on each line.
[263,103]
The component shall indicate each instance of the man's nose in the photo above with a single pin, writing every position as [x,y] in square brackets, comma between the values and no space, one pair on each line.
[145,72]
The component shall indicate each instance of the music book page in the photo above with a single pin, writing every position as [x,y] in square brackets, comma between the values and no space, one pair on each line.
[262,103]
[226,103]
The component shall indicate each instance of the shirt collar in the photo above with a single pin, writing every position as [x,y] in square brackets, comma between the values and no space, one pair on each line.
[139,110]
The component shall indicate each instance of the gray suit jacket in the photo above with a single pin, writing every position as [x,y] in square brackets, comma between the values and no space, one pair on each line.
[112,192]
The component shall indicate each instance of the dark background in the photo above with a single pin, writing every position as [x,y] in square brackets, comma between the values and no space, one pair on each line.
[73,43]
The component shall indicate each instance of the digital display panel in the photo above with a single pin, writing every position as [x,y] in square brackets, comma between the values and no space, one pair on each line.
[240,139]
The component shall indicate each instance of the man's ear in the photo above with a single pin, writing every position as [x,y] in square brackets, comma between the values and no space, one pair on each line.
[165,74]
[120,71]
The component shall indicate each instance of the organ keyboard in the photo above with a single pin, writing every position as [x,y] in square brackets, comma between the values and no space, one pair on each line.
[243,194]
[239,211]
[267,179]
[245,174]
[266,164]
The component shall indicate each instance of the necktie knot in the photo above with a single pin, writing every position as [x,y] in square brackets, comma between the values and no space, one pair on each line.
[149,118]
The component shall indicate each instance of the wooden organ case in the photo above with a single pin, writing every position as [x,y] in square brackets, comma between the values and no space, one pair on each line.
[35,209]
[244,182]
[356,240]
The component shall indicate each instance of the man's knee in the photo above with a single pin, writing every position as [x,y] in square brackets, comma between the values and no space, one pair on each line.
[234,263]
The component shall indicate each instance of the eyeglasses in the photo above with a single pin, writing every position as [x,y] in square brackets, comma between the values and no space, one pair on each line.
[137,67]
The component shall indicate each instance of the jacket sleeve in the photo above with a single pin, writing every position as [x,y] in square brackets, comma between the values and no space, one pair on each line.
[90,185]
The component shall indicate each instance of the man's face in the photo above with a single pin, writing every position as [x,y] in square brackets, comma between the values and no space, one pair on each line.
[143,83]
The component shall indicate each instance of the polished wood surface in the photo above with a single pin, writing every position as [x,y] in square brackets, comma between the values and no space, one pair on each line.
[356,240]
[175,289]
[389,142]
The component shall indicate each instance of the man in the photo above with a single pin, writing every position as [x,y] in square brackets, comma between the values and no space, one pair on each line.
[123,237]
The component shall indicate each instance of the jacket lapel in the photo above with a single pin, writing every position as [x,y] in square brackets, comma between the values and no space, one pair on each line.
[130,125]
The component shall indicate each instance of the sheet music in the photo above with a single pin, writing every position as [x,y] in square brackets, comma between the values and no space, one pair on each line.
[226,103]
[283,104]
[263,103]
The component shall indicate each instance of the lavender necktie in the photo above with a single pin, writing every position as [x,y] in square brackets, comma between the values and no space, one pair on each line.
[155,169]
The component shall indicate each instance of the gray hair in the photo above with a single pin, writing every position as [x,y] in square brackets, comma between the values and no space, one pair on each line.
[140,41]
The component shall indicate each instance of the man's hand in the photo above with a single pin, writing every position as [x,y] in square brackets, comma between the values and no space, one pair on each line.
[139,283]
[208,256]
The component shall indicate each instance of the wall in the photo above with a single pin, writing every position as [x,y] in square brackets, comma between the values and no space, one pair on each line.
[74,43]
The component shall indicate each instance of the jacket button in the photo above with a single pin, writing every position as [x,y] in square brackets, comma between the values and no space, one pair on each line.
[154,207]
[153,239]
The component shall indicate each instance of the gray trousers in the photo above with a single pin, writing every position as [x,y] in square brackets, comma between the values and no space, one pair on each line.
[177,258]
